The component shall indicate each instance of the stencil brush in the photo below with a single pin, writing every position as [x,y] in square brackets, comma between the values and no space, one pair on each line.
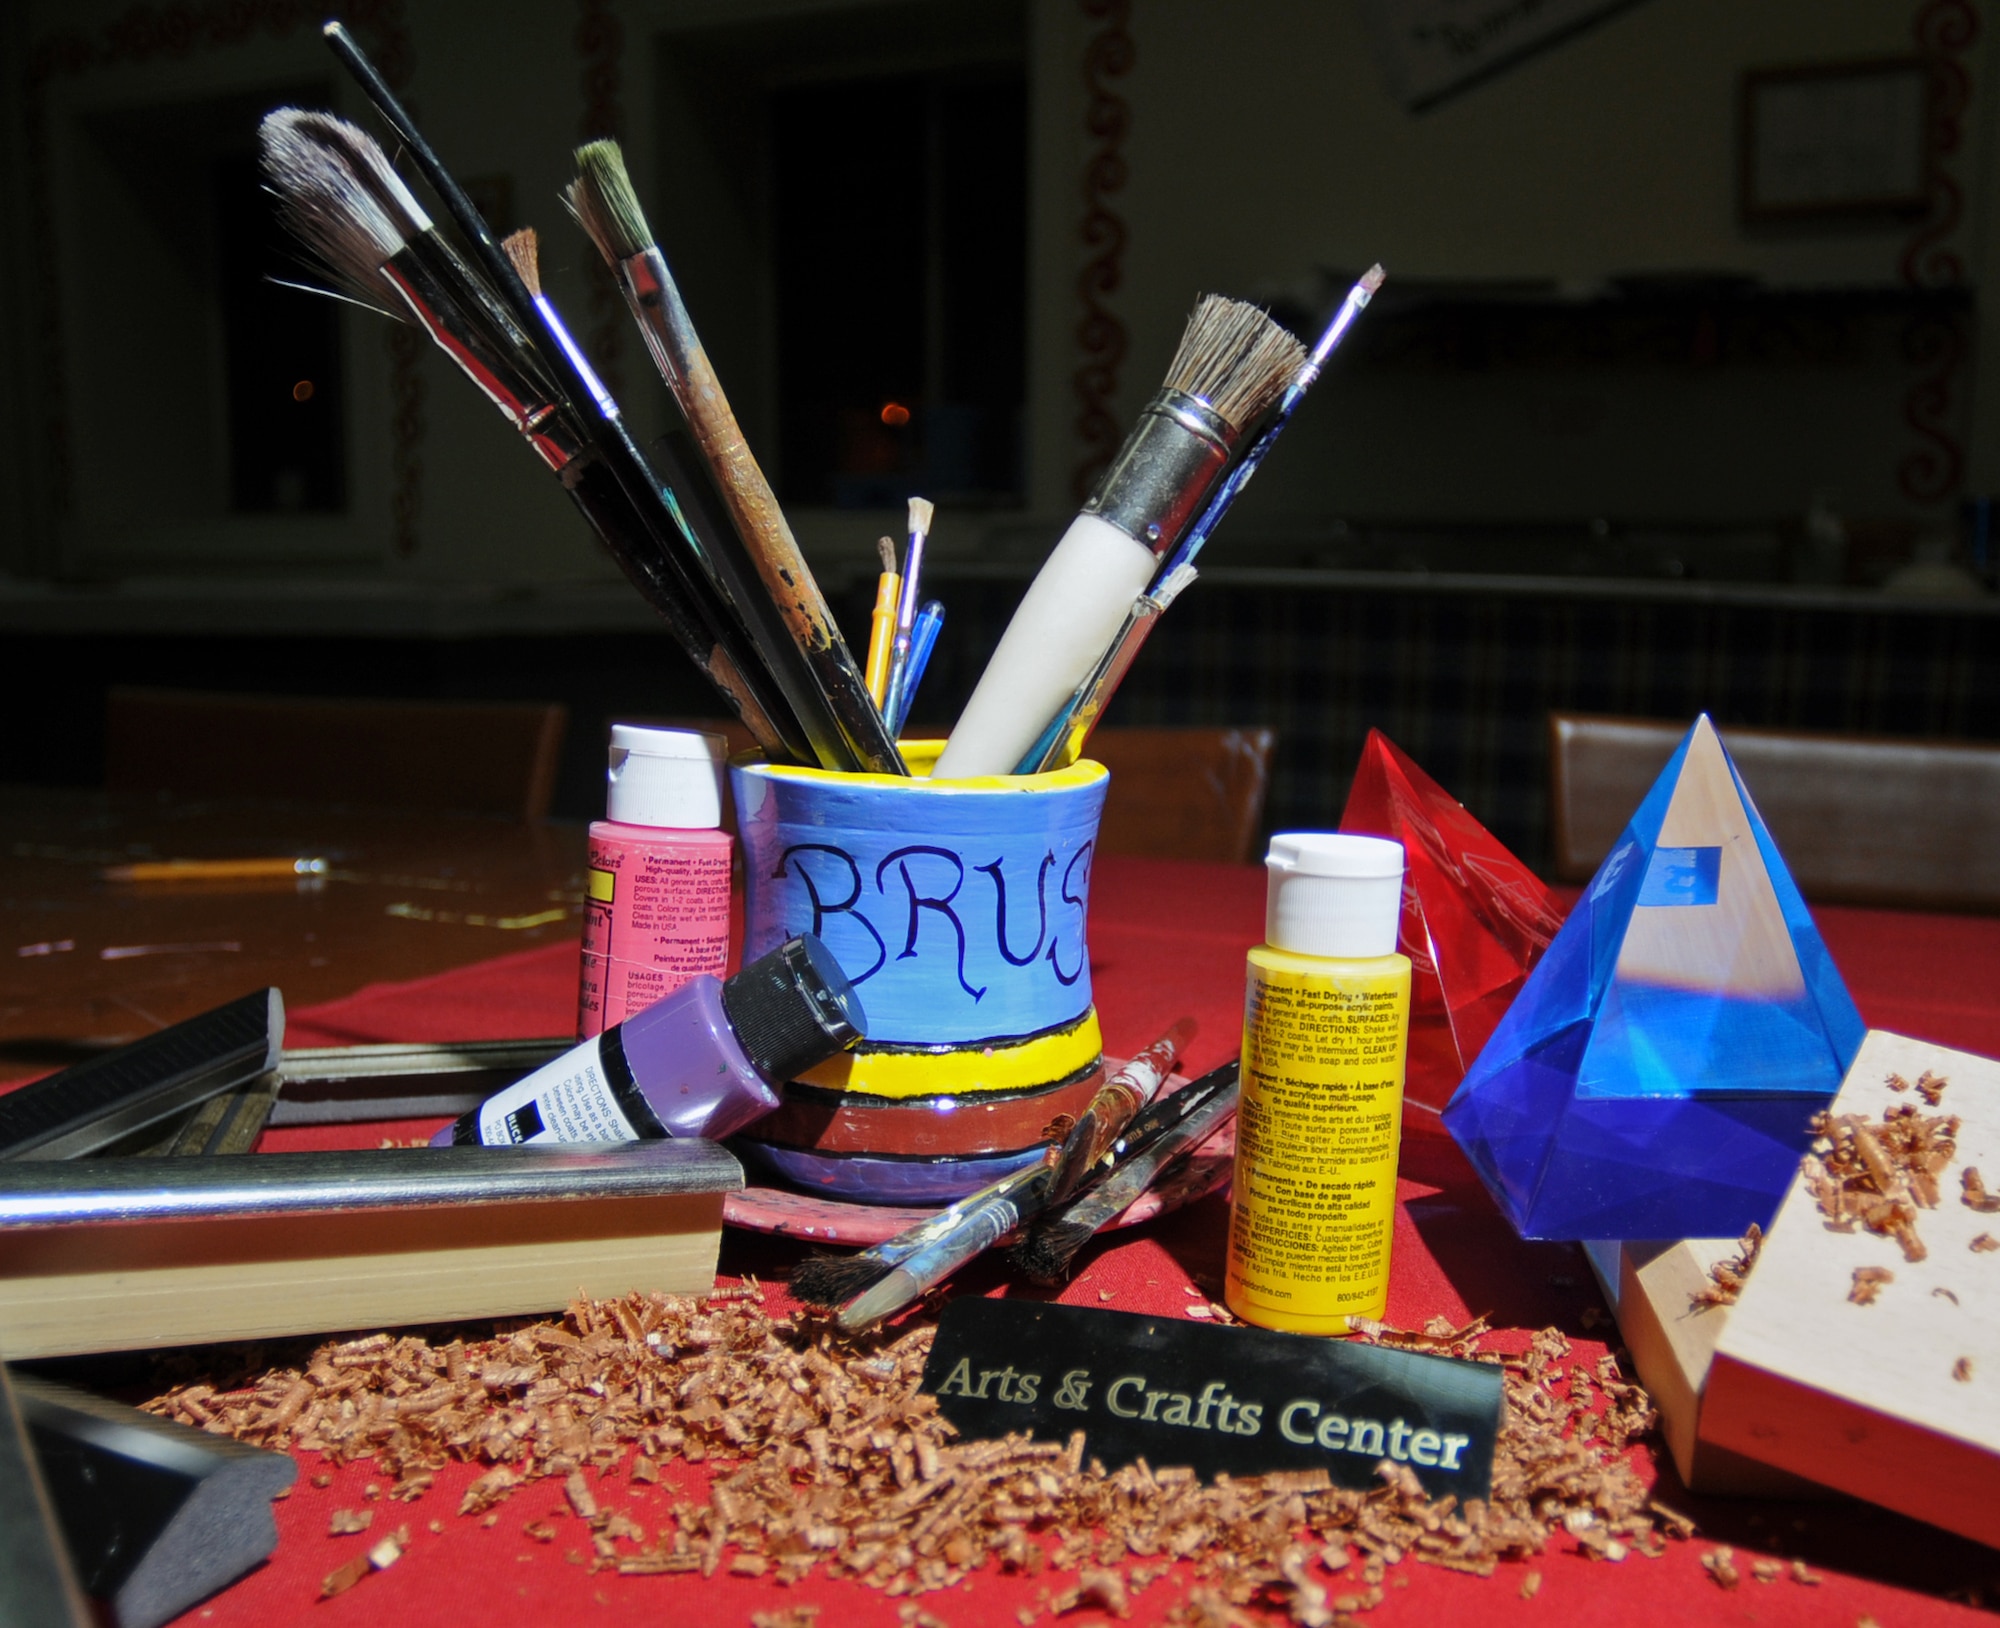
[607,207]
[338,194]
[1308,374]
[1232,363]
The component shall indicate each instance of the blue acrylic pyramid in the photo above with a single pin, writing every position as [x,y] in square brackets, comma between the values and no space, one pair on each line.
[1657,1073]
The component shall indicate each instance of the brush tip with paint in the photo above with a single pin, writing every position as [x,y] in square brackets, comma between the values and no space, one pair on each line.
[605,202]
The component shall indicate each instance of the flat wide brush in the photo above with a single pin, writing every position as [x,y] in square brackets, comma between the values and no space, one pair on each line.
[607,206]
[339,195]
[1232,363]
[671,519]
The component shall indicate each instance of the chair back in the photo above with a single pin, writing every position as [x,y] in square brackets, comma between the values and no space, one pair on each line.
[1859,819]
[467,756]
[1184,793]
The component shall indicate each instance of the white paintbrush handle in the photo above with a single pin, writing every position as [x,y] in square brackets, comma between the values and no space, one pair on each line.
[1072,610]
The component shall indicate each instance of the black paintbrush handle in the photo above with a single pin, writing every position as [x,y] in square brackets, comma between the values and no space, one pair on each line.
[701,505]
[608,434]
[666,585]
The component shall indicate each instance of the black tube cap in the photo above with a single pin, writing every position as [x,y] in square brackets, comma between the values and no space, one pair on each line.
[793,1009]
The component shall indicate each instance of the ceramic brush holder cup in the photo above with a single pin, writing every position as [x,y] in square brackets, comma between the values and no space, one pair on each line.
[958,910]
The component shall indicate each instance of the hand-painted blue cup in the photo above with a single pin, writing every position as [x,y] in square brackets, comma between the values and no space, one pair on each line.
[958,910]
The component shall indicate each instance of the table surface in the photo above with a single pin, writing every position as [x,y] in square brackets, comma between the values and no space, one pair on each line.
[1166,939]
[408,894]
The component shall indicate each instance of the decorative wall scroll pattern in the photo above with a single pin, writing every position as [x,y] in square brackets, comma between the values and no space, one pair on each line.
[1936,342]
[148,33]
[1107,118]
[600,41]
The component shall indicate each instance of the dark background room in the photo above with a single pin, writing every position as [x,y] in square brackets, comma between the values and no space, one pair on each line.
[1668,405]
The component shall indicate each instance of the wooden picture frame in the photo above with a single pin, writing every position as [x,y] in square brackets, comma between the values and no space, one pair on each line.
[1834,141]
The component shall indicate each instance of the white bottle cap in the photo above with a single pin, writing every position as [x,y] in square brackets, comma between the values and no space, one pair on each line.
[670,777]
[1334,895]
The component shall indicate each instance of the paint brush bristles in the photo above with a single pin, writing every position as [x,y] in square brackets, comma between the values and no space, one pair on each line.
[1168,1131]
[1235,358]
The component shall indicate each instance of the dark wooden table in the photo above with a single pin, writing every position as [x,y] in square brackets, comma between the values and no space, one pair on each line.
[86,962]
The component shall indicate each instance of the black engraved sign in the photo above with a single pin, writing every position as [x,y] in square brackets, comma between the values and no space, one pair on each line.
[1234,1400]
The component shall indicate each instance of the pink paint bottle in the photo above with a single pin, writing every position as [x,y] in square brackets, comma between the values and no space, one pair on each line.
[656,910]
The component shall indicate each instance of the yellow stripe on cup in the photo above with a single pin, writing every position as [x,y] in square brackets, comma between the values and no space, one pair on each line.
[599,884]
[1017,1066]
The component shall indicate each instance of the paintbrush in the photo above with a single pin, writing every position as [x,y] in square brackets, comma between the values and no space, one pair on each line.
[1117,1100]
[340,196]
[1308,374]
[1062,742]
[923,641]
[607,206]
[1159,1139]
[675,513]
[882,623]
[830,1280]
[920,1258]
[1232,363]
[921,511]
[923,1263]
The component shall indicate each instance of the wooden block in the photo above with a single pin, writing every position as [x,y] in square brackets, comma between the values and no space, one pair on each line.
[1672,1340]
[1897,1401]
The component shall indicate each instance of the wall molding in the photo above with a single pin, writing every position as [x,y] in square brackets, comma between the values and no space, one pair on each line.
[1937,342]
[1101,335]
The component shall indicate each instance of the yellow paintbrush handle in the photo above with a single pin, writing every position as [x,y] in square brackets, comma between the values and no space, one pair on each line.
[882,634]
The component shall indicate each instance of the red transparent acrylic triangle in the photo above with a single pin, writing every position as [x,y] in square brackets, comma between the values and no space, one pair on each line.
[1475,919]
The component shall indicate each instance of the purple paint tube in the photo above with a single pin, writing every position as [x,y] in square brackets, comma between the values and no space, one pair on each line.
[706,1060]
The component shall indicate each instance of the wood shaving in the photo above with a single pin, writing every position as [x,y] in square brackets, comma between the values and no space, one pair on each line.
[1961,1370]
[344,1523]
[826,1461]
[1726,1278]
[1868,1284]
[343,1577]
[1808,1579]
[1881,1173]
[1975,1194]
[1720,1563]
[1984,1244]
[1531,1585]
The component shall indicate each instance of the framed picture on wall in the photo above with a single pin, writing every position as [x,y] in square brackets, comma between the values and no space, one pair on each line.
[1834,140]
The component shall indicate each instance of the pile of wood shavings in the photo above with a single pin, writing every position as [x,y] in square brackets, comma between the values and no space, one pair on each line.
[1880,1174]
[827,1459]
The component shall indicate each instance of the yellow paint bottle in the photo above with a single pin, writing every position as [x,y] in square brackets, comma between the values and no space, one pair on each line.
[1325,1032]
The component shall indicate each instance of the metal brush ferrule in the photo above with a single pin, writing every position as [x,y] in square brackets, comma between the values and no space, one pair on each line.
[1156,484]
[486,363]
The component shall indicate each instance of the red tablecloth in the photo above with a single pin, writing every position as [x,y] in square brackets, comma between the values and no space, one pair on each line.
[1166,939]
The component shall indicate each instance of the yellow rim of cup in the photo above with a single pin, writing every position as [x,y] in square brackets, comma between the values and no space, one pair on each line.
[1020,1066]
[922,756]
